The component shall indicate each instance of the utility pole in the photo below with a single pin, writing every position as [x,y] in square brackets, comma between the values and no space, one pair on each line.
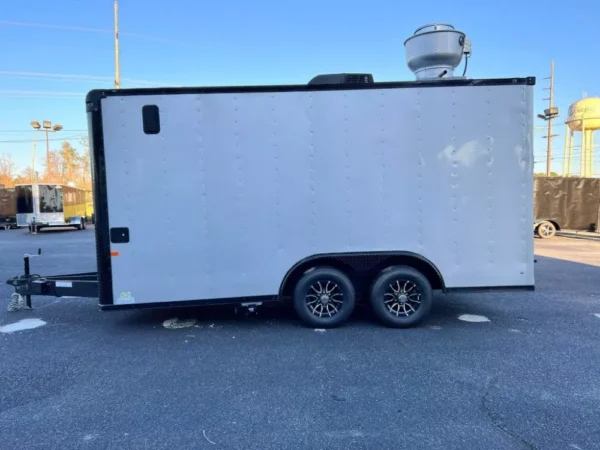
[549,114]
[117,68]
[550,101]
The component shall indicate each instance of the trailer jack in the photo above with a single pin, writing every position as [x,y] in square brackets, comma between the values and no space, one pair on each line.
[28,284]
[20,301]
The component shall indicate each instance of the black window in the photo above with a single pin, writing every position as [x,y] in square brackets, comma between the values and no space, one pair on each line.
[51,199]
[24,200]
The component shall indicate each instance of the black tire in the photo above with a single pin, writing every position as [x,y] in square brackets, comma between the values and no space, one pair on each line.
[324,298]
[393,300]
[545,230]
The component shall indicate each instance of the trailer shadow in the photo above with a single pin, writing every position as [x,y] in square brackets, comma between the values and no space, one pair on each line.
[569,272]
[279,314]
[553,277]
[54,230]
[276,313]
[44,231]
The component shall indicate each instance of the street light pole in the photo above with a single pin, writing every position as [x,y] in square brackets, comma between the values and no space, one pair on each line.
[47,128]
[550,113]
[33,161]
[47,151]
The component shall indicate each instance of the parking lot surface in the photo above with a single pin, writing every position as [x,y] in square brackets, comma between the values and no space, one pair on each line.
[526,378]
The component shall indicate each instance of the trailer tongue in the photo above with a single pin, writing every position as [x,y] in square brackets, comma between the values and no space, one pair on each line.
[70,285]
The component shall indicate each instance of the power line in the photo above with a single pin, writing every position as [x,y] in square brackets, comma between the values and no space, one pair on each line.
[34,97]
[64,76]
[20,92]
[33,131]
[88,30]
[45,74]
[545,128]
[65,138]
[557,158]
[11,77]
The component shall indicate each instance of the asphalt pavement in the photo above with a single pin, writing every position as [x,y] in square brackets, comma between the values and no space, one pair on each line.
[527,378]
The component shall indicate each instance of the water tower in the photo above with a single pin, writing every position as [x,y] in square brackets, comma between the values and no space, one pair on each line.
[584,118]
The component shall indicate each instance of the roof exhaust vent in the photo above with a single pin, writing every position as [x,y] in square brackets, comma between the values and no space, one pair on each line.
[435,50]
[342,78]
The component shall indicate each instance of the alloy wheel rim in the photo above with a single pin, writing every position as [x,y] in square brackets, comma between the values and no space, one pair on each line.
[324,299]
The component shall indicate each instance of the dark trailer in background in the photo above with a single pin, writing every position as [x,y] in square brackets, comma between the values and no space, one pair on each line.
[8,208]
[568,202]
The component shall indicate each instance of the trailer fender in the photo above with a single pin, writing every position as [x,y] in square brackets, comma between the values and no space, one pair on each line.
[364,266]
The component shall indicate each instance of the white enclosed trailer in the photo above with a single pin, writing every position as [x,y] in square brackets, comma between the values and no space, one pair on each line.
[46,205]
[319,192]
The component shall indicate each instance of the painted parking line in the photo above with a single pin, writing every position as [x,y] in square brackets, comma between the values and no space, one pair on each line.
[473,318]
[25,324]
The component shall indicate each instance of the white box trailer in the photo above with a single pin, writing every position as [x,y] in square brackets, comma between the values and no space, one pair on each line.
[47,205]
[321,192]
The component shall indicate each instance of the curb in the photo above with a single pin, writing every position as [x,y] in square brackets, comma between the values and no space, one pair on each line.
[578,236]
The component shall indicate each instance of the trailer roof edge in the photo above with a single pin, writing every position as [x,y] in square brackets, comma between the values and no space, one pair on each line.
[97,94]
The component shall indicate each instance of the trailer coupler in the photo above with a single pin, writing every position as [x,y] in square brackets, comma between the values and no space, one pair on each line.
[27,285]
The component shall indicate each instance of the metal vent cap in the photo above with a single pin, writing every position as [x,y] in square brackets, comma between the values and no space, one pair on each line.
[434,51]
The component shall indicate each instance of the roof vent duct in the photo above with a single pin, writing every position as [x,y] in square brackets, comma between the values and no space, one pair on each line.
[435,50]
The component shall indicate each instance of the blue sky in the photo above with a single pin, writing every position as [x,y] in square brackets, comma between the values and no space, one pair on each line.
[46,71]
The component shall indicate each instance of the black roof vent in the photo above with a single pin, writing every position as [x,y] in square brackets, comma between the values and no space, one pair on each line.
[342,78]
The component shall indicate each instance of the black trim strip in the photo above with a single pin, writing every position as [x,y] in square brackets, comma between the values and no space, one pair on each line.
[207,302]
[490,289]
[95,95]
[100,192]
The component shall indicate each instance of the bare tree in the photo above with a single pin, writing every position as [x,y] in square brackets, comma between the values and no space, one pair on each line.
[67,165]
[7,170]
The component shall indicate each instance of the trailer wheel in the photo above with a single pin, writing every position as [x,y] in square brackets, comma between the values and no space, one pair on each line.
[324,298]
[545,230]
[401,297]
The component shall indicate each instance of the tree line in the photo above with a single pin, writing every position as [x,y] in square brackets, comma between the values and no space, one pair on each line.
[67,165]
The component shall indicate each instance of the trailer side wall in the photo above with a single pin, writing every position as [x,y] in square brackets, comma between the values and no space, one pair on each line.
[74,201]
[238,187]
